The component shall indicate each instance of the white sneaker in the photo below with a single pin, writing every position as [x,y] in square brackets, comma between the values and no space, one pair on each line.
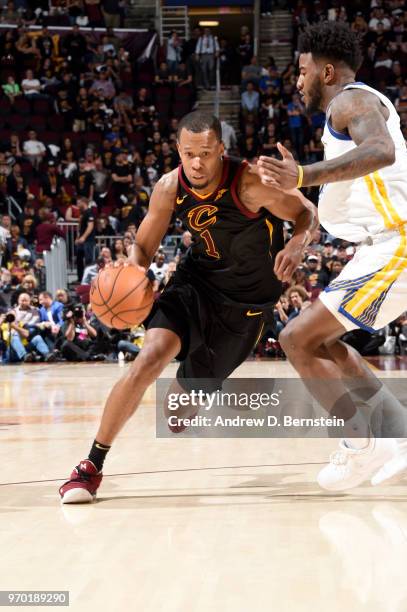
[349,467]
[392,471]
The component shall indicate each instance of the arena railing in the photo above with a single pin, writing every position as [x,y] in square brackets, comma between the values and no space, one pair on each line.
[256,26]
[14,208]
[106,241]
[217,89]
[56,276]
[71,230]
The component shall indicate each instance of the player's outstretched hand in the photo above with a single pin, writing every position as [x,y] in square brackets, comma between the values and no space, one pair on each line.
[280,173]
[287,261]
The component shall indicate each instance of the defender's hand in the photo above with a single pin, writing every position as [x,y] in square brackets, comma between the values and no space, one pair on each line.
[282,174]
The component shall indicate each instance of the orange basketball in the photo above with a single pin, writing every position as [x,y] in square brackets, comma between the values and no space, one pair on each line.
[121,297]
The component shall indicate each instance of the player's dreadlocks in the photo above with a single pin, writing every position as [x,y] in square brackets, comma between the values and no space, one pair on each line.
[333,41]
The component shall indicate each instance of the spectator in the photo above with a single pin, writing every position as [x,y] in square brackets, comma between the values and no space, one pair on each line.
[45,44]
[122,176]
[26,48]
[186,241]
[24,337]
[50,318]
[123,103]
[207,50]
[93,270]
[16,243]
[188,53]
[298,299]
[85,243]
[5,289]
[79,335]
[75,11]
[45,232]
[103,85]
[249,143]
[5,169]
[14,149]
[62,296]
[300,279]
[4,237]
[132,342]
[251,73]
[250,100]
[83,181]
[173,52]
[379,19]
[72,212]
[9,14]
[17,186]
[30,85]
[163,76]
[103,227]
[74,47]
[295,111]
[51,182]
[11,89]
[227,63]
[336,269]
[281,313]
[34,149]
[245,50]
[159,267]
[228,136]
[111,13]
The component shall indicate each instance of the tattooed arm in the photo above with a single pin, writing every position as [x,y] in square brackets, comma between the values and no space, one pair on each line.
[363,116]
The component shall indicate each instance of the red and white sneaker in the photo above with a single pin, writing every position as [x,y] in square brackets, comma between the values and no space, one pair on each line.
[83,484]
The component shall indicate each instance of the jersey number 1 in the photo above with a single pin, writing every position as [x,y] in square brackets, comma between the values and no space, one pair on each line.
[200,218]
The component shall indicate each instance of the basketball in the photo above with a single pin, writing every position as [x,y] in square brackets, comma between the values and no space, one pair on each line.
[121,297]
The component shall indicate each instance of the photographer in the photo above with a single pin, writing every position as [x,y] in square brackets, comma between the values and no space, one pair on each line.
[79,335]
[21,335]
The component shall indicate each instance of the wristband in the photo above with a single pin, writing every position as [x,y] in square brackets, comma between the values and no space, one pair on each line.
[300,176]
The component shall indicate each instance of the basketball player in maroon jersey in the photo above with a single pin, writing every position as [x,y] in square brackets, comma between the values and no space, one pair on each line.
[211,313]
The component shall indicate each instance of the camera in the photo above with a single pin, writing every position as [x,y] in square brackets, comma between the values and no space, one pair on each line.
[10,317]
[73,312]
[78,313]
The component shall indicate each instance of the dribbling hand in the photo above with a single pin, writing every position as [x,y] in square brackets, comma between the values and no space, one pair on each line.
[287,261]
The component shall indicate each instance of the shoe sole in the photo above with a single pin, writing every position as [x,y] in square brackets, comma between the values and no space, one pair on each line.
[394,478]
[377,465]
[77,496]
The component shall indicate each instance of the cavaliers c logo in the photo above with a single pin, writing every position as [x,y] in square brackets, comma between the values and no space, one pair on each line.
[200,218]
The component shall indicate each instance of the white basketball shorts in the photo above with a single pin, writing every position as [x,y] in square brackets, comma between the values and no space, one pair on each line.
[371,290]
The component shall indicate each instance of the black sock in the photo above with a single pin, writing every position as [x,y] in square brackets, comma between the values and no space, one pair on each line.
[98,454]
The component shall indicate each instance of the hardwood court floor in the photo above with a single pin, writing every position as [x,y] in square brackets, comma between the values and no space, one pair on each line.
[185,525]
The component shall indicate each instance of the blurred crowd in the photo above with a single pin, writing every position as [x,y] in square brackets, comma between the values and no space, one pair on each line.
[86,129]
[271,109]
[92,13]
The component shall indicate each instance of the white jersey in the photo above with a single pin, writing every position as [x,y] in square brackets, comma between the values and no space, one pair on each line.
[361,208]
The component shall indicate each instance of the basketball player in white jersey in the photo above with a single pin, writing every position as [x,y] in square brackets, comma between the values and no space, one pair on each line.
[363,199]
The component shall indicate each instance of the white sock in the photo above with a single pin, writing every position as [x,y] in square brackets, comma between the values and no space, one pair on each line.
[389,415]
[357,443]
